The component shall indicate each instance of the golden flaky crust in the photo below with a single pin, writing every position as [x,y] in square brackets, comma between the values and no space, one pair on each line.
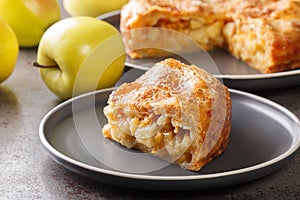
[263,33]
[177,112]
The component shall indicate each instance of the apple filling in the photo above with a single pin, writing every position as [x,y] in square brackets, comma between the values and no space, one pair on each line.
[171,36]
[247,42]
[156,133]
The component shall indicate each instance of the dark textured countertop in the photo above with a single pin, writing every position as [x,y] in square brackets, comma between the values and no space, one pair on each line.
[27,171]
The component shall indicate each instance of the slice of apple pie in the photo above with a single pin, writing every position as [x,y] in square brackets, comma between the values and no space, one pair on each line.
[177,112]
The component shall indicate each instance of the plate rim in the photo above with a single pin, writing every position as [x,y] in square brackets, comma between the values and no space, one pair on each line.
[222,76]
[295,144]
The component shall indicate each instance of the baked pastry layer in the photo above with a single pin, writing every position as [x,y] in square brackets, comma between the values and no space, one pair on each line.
[264,34]
[174,111]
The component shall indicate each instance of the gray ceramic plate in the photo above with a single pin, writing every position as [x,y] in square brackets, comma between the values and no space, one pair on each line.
[264,136]
[235,74]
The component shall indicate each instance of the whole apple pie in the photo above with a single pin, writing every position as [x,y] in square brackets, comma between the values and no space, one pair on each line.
[263,33]
[177,112]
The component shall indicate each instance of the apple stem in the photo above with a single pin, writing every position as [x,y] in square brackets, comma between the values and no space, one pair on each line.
[36,64]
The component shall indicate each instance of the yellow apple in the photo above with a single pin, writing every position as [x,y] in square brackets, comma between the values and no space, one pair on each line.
[29,18]
[66,55]
[9,49]
[92,8]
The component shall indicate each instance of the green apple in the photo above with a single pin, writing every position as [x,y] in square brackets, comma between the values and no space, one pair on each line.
[9,49]
[29,18]
[66,55]
[92,8]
